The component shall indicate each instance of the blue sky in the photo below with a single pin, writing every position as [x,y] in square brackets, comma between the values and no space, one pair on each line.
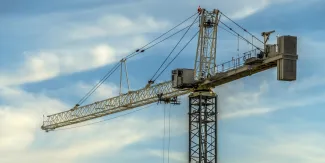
[52,53]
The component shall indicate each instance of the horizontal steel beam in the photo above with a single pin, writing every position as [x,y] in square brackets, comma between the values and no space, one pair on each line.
[148,95]
[112,105]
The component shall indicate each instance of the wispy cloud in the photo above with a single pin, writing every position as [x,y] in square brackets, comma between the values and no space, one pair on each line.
[115,26]
[69,42]
[236,101]
[21,128]
[286,143]
[173,155]
[45,64]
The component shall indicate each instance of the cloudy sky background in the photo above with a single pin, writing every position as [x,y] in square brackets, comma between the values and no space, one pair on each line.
[52,53]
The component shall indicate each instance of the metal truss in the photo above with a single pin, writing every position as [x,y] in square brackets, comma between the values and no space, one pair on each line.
[205,61]
[149,95]
[203,128]
[112,105]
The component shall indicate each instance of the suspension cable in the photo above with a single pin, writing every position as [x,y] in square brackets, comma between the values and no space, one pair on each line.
[171,35]
[225,29]
[234,34]
[241,27]
[230,31]
[134,54]
[176,56]
[118,64]
[173,49]
[107,75]
[239,35]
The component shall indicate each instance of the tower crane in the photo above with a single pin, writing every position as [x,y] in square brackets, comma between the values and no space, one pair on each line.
[197,82]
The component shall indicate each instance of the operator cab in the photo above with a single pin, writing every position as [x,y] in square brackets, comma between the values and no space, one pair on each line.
[182,78]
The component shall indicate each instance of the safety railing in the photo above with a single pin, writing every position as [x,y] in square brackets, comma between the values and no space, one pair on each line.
[235,63]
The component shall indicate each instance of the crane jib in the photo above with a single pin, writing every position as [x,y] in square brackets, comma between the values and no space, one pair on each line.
[199,81]
[205,75]
[147,96]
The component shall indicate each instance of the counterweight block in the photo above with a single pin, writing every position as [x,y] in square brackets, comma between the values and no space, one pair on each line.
[287,66]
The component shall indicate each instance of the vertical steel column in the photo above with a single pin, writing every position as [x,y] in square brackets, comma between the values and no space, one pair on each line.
[189,129]
[202,127]
[216,128]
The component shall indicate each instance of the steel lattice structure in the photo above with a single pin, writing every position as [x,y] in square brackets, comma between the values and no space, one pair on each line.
[203,127]
[148,95]
[202,100]
[112,105]
[205,61]
[133,99]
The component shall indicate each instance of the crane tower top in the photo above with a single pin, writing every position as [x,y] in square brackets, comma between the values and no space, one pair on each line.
[205,61]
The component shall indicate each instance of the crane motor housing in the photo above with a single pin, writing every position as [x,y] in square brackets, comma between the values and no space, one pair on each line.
[182,78]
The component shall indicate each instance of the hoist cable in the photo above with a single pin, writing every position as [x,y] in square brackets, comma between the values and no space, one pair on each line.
[169,131]
[164,133]
[176,56]
[241,27]
[174,48]
[238,44]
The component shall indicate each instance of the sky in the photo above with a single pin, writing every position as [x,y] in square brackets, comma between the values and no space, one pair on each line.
[53,53]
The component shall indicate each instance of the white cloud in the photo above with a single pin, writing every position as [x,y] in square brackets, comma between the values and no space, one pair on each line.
[290,142]
[247,10]
[122,35]
[237,101]
[79,89]
[270,95]
[268,105]
[21,118]
[21,112]
[47,64]
[237,9]
[308,83]
[16,130]
[82,143]
[105,90]
[173,155]
[115,25]
[73,55]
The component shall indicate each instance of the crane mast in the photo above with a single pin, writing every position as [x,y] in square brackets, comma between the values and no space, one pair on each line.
[198,83]
[205,61]
[203,101]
